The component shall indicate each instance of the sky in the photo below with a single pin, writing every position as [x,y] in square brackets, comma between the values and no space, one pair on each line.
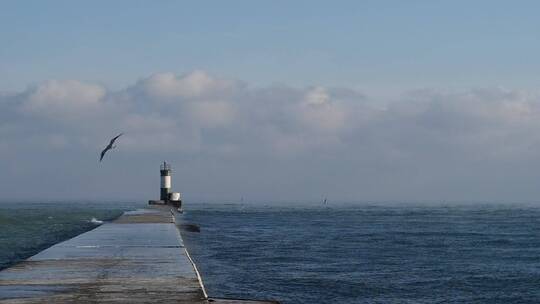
[271,100]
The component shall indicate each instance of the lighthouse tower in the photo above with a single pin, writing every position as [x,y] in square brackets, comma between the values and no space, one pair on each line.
[166,196]
[165,170]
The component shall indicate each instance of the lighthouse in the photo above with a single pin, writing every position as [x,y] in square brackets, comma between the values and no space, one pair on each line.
[166,196]
[165,170]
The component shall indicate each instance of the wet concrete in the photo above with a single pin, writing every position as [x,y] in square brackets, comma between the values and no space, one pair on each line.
[139,258]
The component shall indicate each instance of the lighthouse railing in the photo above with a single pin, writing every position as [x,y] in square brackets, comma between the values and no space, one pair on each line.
[165,166]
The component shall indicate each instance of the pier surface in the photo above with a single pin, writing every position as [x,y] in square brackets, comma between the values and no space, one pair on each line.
[139,258]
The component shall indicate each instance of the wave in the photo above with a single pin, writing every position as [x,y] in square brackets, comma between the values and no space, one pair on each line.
[96,221]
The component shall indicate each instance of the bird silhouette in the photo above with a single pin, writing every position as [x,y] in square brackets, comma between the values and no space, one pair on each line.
[109,146]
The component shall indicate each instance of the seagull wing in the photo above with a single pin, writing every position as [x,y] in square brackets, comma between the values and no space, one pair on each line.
[103,153]
[115,138]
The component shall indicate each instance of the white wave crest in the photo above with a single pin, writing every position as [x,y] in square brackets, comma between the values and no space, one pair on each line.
[96,221]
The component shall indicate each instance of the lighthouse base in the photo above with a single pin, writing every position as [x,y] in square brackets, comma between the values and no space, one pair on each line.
[176,204]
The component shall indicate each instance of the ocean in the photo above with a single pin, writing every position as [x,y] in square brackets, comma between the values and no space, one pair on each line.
[370,253]
[313,253]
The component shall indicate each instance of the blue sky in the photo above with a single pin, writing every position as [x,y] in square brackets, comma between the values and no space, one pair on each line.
[271,100]
[373,45]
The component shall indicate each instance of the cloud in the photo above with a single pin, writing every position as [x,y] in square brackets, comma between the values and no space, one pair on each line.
[319,111]
[167,86]
[277,119]
[62,98]
[424,143]
[212,113]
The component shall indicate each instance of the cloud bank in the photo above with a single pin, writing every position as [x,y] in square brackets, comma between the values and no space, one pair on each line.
[228,139]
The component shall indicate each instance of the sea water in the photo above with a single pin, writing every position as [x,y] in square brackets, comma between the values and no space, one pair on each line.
[369,253]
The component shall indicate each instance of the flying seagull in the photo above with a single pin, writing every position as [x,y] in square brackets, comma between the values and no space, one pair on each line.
[109,146]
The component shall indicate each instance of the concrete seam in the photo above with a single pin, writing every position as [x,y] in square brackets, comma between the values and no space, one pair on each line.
[191,260]
[198,274]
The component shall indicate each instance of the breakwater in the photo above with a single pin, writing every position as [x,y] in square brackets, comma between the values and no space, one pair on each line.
[138,258]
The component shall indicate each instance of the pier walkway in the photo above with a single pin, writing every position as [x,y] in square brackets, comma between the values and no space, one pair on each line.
[138,258]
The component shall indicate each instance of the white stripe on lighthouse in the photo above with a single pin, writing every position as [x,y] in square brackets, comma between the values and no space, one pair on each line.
[166,181]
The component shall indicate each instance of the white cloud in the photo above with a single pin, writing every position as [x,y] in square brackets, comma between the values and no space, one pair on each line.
[319,111]
[63,98]
[195,84]
[427,137]
[211,113]
[316,96]
[280,118]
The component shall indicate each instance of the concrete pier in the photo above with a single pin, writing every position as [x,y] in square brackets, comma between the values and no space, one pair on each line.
[139,258]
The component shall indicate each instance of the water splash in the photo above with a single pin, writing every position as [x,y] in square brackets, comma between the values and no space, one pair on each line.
[96,221]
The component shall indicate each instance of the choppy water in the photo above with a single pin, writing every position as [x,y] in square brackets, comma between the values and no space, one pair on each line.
[369,253]
[28,228]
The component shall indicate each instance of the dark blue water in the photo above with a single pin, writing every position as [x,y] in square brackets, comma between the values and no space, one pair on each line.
[369,253]
[27,228]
